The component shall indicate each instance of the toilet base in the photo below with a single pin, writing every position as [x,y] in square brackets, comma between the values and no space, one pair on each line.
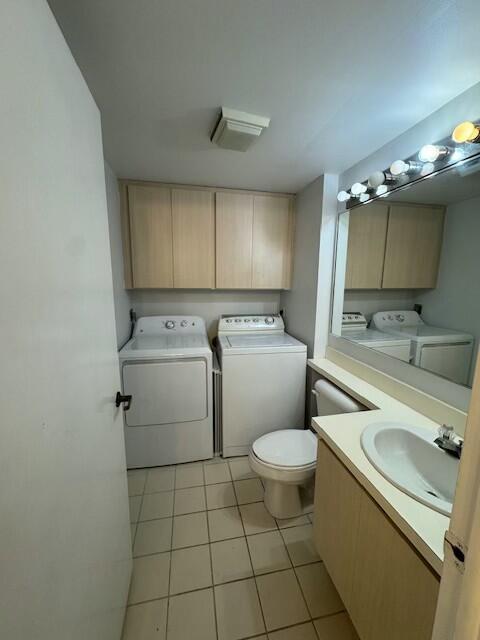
[282,500]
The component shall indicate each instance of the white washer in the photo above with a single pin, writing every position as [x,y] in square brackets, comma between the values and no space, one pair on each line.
[263,380]
[445,352]
[167,369]
[354,327]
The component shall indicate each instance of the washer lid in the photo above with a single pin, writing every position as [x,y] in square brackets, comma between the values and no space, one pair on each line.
[287,448]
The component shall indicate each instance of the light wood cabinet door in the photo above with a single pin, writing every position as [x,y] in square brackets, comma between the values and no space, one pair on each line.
[150,216]
[272,242]
[193,218]
[367,234]
[337,511]
[394,593]
[414,243]
[234,228]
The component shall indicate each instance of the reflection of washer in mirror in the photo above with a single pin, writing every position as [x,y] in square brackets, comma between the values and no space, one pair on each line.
[446,352]
[354,327]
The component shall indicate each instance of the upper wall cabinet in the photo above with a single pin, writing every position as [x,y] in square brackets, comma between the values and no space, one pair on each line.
[198,238]
[234,214]
[367,233]
[151,236]
[254,240]
[414,242]
[394,247]
[272,242]
[193,216]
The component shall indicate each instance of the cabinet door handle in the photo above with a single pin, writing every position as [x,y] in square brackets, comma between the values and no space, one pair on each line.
[125,400]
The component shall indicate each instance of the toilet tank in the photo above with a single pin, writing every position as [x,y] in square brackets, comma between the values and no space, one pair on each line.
[332,401]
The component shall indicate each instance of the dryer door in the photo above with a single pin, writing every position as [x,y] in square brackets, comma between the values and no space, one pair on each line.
[451,361]
[166,391]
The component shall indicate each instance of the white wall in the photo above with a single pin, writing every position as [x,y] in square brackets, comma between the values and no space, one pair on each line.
[121,296]
[307,304]
[300,303]
[209,305]
[65,548]
[455,302]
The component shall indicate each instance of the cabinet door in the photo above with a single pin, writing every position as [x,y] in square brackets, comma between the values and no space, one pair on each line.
[150,214]
[414,242]
[272,242]
[337,510]
[367,233]
[193,239]
[234,226]
[394,593]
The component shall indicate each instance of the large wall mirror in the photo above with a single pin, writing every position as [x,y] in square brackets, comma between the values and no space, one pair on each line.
[408,274]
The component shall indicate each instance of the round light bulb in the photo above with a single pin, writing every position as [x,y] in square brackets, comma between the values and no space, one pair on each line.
[376,179]
[381,190]
[364,197]
[466,132]
[343,196]
[427,169]
[358,188]
[399,167]
[432,152]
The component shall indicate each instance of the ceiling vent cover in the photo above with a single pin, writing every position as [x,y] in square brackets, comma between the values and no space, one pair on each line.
[237,130]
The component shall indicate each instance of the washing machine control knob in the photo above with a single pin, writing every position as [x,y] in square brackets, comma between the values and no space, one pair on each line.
[269,320]
[184,323]
[169,324]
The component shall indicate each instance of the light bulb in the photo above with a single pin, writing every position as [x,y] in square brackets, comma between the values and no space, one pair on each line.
[432,153]
[466,132]
[381,190]
[427,169]
[357,188]
[343,196]
[376,179]
[363,197]
[398,167]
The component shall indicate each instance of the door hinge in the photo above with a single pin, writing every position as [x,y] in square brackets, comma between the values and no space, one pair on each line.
[458,549]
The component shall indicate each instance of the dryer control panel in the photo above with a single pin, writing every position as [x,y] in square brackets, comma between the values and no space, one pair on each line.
[159,325]
[272,323]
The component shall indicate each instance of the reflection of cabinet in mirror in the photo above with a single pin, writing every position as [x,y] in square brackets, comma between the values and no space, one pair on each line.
[394,247]
[367,233]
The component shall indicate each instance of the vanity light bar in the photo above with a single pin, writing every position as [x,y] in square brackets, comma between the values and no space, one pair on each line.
[430,159]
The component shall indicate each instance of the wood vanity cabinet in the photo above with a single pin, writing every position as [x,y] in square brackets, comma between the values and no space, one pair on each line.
[387,588]
[182,237]
[394,247]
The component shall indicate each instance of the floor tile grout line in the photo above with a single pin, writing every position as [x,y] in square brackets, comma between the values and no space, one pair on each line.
[211,566]
[169,572]
[253,570]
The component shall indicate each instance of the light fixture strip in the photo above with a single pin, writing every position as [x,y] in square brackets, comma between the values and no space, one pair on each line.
[427,161]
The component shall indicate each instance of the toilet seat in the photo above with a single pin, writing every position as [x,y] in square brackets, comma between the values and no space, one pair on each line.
[287,449]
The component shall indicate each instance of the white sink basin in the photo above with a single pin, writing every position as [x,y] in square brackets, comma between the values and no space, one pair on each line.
[409,459]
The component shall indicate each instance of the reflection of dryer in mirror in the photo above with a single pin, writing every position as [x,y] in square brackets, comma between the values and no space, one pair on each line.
[446,352]
[354,327]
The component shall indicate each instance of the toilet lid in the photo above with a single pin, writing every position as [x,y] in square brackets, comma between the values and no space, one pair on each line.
[287,448]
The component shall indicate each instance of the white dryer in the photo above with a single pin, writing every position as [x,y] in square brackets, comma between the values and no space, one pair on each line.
[445,352]
[167,369]
[263,380]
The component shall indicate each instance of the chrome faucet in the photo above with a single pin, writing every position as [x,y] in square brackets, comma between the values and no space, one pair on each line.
[449,441]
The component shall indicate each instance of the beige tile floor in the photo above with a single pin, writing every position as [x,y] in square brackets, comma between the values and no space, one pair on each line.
[210,563]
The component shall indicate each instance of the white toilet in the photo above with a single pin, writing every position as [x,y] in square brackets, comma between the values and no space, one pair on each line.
[286,459]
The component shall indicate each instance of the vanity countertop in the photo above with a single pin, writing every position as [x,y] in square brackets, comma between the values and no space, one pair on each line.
[422,526]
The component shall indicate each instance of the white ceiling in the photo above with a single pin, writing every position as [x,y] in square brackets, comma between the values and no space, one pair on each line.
[338,78]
